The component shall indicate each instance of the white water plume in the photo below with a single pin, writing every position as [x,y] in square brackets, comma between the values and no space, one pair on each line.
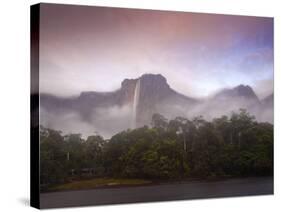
[135,104]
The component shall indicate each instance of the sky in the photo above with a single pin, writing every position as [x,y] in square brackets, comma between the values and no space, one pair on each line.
[95,48]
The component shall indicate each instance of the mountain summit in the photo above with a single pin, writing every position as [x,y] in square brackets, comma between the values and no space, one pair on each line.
[240,91]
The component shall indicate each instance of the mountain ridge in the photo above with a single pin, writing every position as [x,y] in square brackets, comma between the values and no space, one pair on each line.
[154,95]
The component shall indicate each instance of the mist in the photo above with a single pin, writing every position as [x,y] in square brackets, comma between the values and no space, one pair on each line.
[103,121]
[108,121]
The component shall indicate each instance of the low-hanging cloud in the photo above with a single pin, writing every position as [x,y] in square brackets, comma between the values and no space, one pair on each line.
[103,121]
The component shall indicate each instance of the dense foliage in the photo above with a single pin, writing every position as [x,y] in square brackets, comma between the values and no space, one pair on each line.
[175,149]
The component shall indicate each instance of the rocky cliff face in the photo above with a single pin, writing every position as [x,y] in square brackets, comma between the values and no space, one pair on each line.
[116,110]
[155,96]
[154,93]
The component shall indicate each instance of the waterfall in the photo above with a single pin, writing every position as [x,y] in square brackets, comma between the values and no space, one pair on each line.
[135,104]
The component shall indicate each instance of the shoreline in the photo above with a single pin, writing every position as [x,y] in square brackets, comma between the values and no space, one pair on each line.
[157,183]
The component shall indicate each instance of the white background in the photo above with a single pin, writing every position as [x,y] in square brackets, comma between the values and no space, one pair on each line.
[14,104]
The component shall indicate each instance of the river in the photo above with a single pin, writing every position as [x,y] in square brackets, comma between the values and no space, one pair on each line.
[161,192]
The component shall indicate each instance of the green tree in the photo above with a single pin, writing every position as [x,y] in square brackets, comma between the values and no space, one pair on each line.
[94,153]
[159,121]
[52,157]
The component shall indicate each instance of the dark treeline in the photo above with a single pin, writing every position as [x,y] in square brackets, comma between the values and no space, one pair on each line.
[176,149]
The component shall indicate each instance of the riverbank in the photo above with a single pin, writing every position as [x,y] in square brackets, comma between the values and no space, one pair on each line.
[103,183]
[98,183]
